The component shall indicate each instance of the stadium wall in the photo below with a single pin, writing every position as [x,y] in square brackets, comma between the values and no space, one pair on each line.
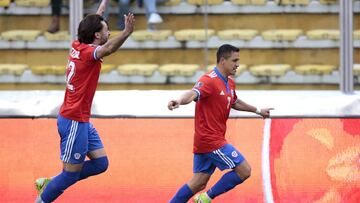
[294,158]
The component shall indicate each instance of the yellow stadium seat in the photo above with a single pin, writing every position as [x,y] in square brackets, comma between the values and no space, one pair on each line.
[357,35]
[12,69]
[237,34]
[156,35]
[48,69]
[202,2]
[314,69]
[106,68]
[356,70]
[4,3]
[178,69]
[329,1]
[323,34]
[33,3]
[282,34]
[58,36]
[137,69]
[24,35]
[172,2]
[269,69]
[114,33]
[294,2]
[193,34]
[249,2]
[239,70]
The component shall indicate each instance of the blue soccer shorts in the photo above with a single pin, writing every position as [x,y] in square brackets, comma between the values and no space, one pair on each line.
[76,140]
[227,157]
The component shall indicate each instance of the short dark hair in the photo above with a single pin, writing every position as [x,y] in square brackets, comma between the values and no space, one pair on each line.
[88,26]
[225,51]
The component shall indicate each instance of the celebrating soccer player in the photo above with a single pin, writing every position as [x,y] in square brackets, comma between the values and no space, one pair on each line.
[214,94]
[78,137]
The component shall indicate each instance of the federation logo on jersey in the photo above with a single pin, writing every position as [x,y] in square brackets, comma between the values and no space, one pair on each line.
[222,92]
[198,85]
[234,154]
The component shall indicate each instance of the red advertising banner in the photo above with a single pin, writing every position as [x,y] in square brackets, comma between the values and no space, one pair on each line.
[309,160]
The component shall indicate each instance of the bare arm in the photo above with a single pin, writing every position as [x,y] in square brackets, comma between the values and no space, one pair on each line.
[242,106]
[186,98]
[102,7]
[114,44]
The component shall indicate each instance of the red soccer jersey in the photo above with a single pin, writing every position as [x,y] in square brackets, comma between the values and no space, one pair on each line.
[216,95]
[82,76]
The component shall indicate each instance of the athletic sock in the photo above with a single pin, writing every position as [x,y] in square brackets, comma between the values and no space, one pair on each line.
[58,184]
[227,182]
[93,167]
[183,195]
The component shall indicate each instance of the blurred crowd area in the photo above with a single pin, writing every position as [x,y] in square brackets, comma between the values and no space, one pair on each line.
[284,44]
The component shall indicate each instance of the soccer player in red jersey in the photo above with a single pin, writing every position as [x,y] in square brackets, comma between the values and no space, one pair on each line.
[78,138]
[214,94]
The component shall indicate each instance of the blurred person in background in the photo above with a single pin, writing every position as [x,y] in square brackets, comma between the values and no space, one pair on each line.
[152,14]
[78,137]
[54,25]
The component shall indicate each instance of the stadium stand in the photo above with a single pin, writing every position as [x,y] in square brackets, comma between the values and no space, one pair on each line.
[48,70]
[270,70]
[249,2]
[314,69]
[32,3]
[146,70]
[193,34]
[145,35]
[4,3]
[12,69]
[202,2]
[281,35]
[237,34]
[323,34]
[281,40]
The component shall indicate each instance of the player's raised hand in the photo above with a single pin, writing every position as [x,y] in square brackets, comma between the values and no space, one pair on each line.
[129,23]
[173,104]
[265,113]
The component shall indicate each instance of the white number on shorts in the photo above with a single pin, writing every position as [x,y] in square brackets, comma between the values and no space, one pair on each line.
[70,74]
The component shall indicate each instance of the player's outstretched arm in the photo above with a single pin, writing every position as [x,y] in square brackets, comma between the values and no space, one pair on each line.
[242,106]
[102,7]
[115,43]
[186,98]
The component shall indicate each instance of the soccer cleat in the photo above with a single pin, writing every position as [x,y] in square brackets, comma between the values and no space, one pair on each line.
[202,198]
[40,184]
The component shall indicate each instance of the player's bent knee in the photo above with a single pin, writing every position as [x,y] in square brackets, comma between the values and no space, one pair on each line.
[247,174]
[244,173]
[197,186]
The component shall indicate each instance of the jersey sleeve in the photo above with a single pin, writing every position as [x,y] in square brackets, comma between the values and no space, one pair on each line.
[203,88]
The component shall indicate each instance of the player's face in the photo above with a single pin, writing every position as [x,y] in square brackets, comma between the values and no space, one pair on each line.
[104,33]
[232,63]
